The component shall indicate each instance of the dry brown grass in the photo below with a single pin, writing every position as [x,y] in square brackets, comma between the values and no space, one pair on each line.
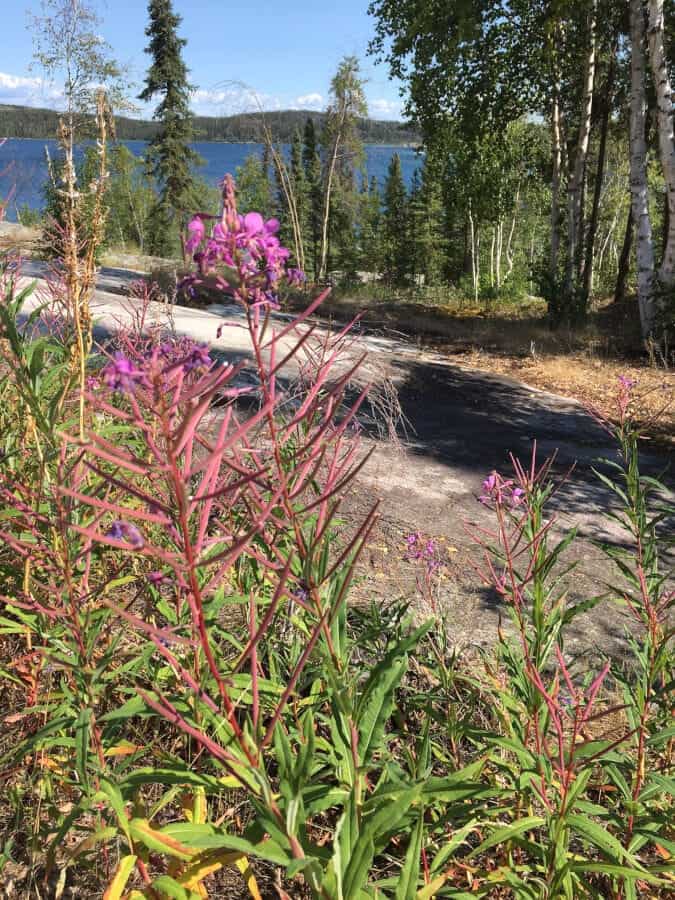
[591,381]
[582,364]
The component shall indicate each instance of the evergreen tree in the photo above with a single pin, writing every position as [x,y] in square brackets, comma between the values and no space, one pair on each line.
[370,239]
[253,187]
[281,202]
[395,224]
[312,163]
[170,158]
[428,241]
[300,186]
[266,167]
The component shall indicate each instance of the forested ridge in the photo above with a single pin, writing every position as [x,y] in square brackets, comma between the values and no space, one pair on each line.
[29,122]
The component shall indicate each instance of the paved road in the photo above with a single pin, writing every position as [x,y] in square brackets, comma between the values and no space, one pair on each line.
[462,424]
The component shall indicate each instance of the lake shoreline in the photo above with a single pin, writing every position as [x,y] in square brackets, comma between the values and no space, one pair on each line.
[24,170]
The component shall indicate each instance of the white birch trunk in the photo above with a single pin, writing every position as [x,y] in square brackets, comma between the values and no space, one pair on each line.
[326,212]
[512,231]
[576,184]
[474,255]
[664,108]
[555,186]
[638,169]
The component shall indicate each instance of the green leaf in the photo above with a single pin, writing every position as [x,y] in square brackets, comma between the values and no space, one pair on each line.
[356,875]
[599,837]
[82,727]
[159,841]
[118,884]
[508,832]
[167,887]
[615,871]
[458,838]
[208,837]
[377,700]
[410,873]
[114,797]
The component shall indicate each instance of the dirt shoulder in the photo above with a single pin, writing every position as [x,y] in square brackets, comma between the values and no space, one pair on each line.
[464,424]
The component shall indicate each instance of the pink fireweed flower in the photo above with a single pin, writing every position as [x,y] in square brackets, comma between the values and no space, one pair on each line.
[626,385]
[156,578]
[125,531]
[196,231]
[121,374]
[501,491]
[185,353]
[242,256]
[517,496]
[419,549]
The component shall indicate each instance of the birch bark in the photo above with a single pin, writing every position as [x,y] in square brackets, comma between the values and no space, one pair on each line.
[638,170]
[576,184]
[664,118]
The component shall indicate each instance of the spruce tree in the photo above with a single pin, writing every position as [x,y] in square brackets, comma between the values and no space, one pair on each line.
[312,163]
[370,238]
[300,186]
[431,235]
[395,220]
[253,187]
[170,159]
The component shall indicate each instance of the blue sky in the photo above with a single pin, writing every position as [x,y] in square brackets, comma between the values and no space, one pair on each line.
[283,54]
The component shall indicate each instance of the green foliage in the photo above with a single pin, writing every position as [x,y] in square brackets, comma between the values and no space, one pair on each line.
[130,201]
[343,162]
[395,219]
[366,758]
[311,160]
[68,47]
[170,158]
[253,185]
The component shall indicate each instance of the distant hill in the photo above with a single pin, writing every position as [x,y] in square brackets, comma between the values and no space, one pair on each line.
[28,122]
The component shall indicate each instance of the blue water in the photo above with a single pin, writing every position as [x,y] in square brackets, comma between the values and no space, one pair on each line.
[23,166]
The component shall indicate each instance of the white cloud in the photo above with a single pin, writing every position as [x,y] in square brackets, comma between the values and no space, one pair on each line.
[380,108]
[230,99]
[312,101]
[24,91]
[224,99]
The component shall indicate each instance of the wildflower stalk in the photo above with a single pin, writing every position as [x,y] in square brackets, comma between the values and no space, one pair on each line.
[77,250]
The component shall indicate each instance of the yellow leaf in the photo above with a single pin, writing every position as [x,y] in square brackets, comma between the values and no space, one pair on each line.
[252,885]
[141,830]
[194,806]
[119,882]
[208,863]
[427,892]
[124,748]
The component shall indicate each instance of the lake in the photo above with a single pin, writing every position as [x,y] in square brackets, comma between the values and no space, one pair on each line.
[23,165]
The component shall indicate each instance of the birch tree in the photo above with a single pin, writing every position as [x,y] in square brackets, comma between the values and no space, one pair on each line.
[638,169]
[348,104]
[575,189]
[664,117]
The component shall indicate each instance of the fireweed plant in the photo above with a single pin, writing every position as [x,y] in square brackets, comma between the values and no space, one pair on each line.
[194,710]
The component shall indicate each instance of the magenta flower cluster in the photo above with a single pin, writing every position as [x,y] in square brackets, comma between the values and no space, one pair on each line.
[125,374]
[625,398]
[125,531]
[501,491]
[242,255]
[424,550]
[122,374]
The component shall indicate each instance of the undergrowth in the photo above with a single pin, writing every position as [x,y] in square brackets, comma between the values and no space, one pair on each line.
[190,706]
